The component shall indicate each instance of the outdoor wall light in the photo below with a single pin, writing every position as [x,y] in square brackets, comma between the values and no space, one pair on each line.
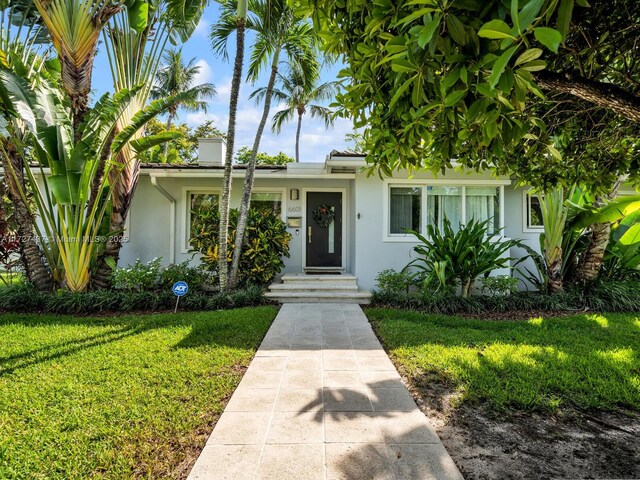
[294,194]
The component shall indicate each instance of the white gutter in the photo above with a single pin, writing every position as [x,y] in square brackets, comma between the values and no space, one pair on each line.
[172,218]
[218,173]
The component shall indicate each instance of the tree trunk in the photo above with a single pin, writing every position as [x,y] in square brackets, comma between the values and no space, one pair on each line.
[598,93]
[30,254]
[249,176]
[554,277]
[223,235]
[591,261]
[124,181]
[165,147]
[298,137]
[466,287]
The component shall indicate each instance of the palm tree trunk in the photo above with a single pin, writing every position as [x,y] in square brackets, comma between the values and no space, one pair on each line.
[554,277]
[30,254]
[591,261]
[249,176]
[165,147]
[223,236]
[298,137]
[124,181]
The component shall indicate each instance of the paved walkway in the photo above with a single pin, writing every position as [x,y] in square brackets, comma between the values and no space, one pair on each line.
[321,400]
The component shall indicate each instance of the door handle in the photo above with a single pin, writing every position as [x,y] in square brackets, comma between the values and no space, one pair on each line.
[309,233]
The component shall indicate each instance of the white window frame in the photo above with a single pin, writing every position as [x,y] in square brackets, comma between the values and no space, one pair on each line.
[526,213]
[282,191]
[423,184]
[186,211]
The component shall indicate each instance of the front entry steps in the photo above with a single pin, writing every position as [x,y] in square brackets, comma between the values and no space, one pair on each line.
[331,288]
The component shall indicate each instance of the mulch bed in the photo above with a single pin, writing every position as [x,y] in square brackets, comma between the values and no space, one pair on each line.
[570,444]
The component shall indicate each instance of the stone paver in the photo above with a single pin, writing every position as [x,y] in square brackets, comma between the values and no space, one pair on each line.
[321,400]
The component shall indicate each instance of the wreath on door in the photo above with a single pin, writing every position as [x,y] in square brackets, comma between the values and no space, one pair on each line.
[324,216]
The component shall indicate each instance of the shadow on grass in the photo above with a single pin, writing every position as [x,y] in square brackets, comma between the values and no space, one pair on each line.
[589,361]
[229,328]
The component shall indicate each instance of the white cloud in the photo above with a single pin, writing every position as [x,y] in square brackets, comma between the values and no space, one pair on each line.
[316,142]
[202,29]
[205,74]
[198,118]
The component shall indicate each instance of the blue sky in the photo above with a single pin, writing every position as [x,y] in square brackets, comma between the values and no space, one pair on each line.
[315,142]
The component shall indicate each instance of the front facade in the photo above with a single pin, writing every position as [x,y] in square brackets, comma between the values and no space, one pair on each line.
[340,219]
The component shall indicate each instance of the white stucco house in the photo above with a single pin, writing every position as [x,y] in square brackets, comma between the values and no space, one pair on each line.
[370,214]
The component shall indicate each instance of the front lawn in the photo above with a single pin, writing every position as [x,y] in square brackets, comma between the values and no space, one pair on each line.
[134,396]
[585,361]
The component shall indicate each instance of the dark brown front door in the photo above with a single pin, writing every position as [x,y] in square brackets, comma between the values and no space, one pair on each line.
[324,229]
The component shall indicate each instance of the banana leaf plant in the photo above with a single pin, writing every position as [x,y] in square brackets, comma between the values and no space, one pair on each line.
[567,215]
[70,224]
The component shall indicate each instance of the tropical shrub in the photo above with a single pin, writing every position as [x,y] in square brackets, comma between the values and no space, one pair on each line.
[500,285]
[138,277]
[194,276]
[622,256]
[602,296]
[451,258]
[391,281]
[266,243]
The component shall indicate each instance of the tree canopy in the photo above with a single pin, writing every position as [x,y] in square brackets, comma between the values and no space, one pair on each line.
[502,84]
[243,156]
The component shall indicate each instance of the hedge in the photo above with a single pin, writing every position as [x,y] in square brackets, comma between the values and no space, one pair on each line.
[26,299]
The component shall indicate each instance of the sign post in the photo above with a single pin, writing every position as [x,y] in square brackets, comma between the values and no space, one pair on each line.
[180,289]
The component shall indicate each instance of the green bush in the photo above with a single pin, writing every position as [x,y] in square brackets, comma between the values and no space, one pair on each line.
[602,296]
[500,285]
[449,258]
[26,299]
[393,282]
[194,276]
[266,243]
[138,277]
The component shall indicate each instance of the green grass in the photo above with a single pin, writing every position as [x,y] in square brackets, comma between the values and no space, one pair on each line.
[586,361]
[127,397]
[7,279]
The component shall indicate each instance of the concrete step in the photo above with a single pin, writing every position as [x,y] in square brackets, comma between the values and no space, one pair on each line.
[362,297]
[300,278]
[314,286]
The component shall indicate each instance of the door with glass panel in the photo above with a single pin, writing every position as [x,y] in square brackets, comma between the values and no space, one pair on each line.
[324,229]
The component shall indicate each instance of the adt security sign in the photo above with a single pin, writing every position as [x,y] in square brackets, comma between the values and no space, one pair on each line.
[180,289]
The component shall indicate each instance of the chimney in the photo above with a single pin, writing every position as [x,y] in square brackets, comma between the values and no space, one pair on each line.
[211,151]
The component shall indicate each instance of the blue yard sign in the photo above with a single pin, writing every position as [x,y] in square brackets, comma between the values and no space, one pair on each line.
[179,289]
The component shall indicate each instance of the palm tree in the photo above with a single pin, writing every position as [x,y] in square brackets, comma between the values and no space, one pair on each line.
[234,17]
[280,32]
[297,93]
[176,76]
[73,27]
[135,58]
[20,39]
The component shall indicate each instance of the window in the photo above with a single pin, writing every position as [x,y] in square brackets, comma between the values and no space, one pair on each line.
[482,203]
[270,201]
[444,202]
[415,207]
[533,212]
[404,209]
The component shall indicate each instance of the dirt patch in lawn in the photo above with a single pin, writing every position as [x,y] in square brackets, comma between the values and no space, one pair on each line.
[571,444]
